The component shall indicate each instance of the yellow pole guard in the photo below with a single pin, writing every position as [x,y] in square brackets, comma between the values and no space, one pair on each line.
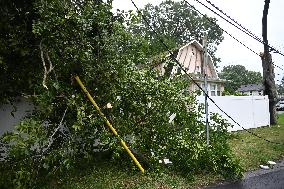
[109,124]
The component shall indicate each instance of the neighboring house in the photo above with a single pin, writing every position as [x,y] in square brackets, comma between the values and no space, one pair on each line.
[191,57]
[251,89]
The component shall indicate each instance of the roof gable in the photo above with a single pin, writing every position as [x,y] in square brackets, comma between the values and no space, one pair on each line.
[195,43]
[199,47]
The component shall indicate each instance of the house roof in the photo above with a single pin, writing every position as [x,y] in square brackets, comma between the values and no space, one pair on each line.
[250,87]
[195,43]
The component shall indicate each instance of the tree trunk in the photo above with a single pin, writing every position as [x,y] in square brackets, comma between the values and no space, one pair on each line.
[268,68]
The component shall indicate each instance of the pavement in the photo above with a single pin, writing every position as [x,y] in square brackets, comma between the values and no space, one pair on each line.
[279,112]
[260,179]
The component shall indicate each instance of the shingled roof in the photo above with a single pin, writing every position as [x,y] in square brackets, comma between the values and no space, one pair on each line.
[250,87]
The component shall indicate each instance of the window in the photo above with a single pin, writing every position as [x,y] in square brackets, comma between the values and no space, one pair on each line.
[218,90]
[197,69]
[213,87]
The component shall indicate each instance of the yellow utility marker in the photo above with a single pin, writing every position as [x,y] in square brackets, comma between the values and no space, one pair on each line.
[109,124]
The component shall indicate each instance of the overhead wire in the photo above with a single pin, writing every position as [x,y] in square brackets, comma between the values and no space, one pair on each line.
[241,27]
[233,20]
[172,56]
[234,23]
[228,32]
[278,66]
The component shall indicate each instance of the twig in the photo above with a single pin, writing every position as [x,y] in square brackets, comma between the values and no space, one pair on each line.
[46,71]
[51,138]
[50,141]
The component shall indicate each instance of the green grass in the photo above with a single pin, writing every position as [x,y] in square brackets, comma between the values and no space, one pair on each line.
[280,119]
[251,150]
[110,176]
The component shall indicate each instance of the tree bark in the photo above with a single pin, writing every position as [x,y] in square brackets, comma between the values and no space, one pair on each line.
[268,68]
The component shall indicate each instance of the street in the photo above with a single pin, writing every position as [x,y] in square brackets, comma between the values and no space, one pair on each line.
[260,179]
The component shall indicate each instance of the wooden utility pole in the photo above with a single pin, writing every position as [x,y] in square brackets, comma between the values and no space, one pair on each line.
[205,86]
[268,68]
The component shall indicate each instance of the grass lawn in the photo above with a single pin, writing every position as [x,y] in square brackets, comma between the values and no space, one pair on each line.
[251,150]
[106,176]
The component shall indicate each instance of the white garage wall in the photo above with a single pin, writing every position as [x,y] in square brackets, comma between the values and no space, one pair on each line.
[7,121]
[248,111]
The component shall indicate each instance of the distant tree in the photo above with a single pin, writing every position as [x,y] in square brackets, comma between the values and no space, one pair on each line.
[237,75]
[280,87]
[177,24]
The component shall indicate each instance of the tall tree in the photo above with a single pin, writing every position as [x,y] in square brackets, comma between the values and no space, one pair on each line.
[237,75]
[280,87]
[268,68]
[177,24]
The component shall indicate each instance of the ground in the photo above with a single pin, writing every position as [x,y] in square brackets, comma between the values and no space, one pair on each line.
[254,151]
[272,178]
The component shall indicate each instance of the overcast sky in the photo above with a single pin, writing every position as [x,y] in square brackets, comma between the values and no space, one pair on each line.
[249,14]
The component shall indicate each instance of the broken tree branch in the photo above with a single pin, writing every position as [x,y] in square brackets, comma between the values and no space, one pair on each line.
[43,54]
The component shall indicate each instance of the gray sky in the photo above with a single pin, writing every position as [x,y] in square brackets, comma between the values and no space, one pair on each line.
[249,14]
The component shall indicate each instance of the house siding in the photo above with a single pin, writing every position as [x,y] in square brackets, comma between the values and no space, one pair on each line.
[251,90]
[253,93]
[191,57]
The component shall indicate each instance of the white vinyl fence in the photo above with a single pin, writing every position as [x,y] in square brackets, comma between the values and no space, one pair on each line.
[248,111]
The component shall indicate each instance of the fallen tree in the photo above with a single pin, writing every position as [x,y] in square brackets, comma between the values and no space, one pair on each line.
[154,116]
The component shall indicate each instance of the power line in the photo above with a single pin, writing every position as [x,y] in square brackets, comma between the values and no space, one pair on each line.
[254,36]
[172,56]
[231,19]
[228,32]
[278,66]
[221,28]
[236,24]
[230,22]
